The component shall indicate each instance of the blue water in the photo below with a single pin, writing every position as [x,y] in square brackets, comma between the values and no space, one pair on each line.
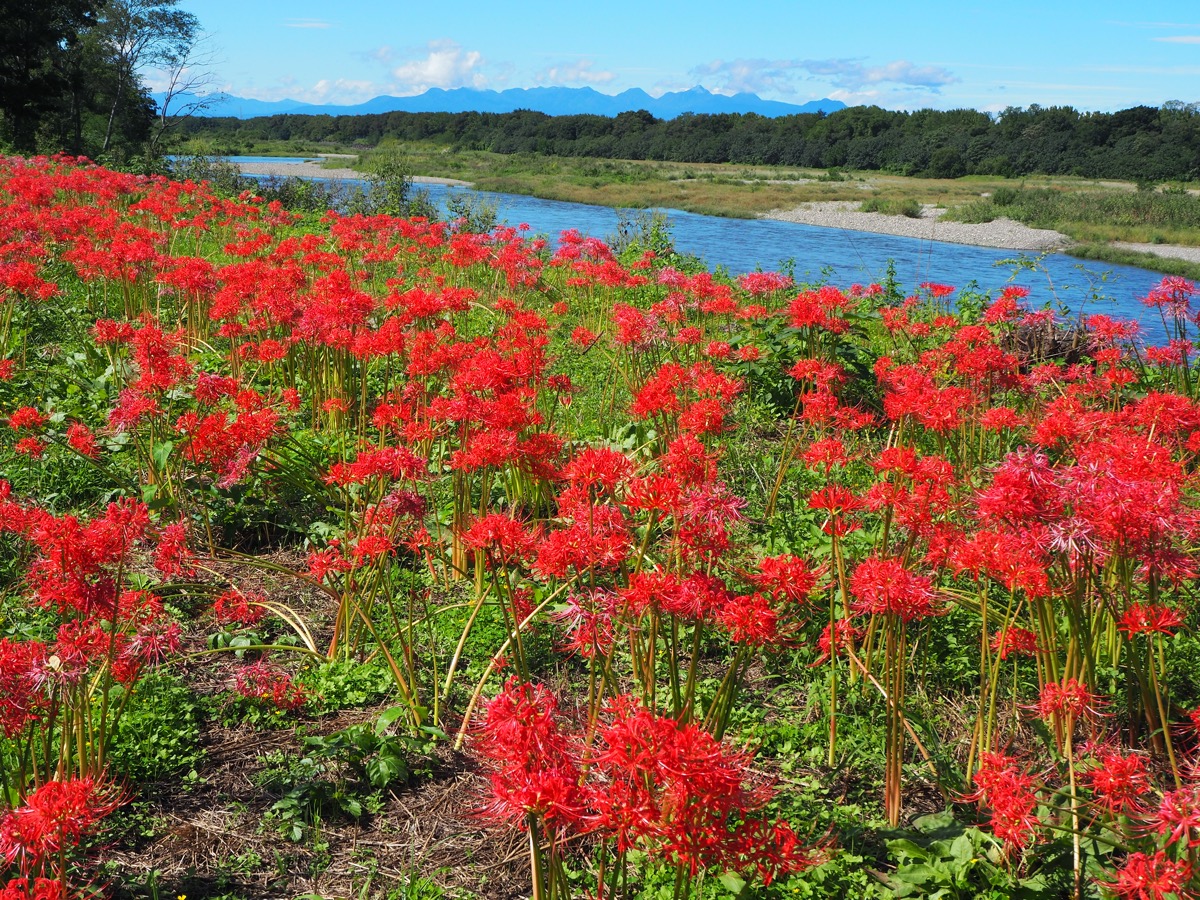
[843,257]
[270,159]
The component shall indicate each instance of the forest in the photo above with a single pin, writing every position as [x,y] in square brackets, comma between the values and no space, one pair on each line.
[1143,143]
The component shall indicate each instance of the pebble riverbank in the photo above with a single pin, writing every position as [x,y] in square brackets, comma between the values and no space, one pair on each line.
[1002,233]
[315,170]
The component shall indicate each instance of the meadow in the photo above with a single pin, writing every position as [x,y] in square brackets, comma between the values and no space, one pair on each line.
[360,555]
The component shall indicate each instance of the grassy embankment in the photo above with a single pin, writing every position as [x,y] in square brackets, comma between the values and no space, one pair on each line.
[1094,214]
[1099,216]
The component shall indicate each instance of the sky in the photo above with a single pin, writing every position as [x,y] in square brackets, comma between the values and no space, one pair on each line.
[1098,55]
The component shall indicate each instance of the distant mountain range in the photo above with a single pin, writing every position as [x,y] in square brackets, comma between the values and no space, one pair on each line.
[554,101]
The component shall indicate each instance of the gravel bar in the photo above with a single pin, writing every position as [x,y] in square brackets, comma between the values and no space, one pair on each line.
[1002,233]
[314,170]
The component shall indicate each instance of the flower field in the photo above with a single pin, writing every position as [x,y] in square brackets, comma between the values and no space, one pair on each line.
[366,556]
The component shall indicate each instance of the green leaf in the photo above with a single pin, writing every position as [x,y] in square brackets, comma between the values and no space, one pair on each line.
[903,849]
[934,822]
[388,717]
[961,849]
[918,874]
[733,882]
[161,453]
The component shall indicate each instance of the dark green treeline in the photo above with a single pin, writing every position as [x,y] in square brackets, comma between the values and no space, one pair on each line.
[1144,143]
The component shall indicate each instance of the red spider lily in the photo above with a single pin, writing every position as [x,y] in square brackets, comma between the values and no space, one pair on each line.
[503,540]
[22,677]
[599,469]
[786,576]
[824,375]
[1015,559]
[825,454]
[323,563]
[834,638]
[603,541]
[1149,618]
[751,619]
[937,291]
[1024,488]
[680,794]
[709,512]
[588,622]
[33,889]
[235,607]
[534,767]
[1178,816]
[33,447]
[688,461]
[583,338]
[760,284]
[1010,792]
[265,682]
[1000,418]
[835,500]
[1156,877]
[1173,294]
[53,819]
[76,563]
[1118,781]
[1008,641]
[653,492]
[27,418]
[1068,698]
[394,463]
[172,556]
[885,587]
[81,439]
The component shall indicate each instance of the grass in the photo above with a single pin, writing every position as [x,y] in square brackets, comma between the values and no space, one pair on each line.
[1110,254]
[1090,212]
[906,207]
[1095,215]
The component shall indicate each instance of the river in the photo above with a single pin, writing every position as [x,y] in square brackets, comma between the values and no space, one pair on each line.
[844,257]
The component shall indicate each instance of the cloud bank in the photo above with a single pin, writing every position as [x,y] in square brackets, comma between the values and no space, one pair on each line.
[848,76]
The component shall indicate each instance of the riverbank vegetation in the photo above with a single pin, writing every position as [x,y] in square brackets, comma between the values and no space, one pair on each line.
[1092,213]
[358,555]
[1141,144]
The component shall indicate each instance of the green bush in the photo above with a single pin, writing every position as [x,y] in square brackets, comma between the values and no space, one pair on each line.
[909,208]
[1005,196]
[158,735]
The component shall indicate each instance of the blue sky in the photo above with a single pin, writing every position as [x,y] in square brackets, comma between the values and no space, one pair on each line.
[1099,55]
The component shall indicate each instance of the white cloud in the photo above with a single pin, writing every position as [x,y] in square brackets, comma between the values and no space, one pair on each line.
[851,74]
[340,91]
[781,76]
[1179,39]
[336,91]
[752,76]
[571,73]
[445,65]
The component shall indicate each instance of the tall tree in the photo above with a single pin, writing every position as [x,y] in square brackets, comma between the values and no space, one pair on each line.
[37,40]
[136,35]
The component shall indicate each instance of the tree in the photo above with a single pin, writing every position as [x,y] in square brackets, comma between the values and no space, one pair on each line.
[186,82]
[37,41]
[135,35]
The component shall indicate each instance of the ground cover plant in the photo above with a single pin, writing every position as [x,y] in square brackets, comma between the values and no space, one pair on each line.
[360,554]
